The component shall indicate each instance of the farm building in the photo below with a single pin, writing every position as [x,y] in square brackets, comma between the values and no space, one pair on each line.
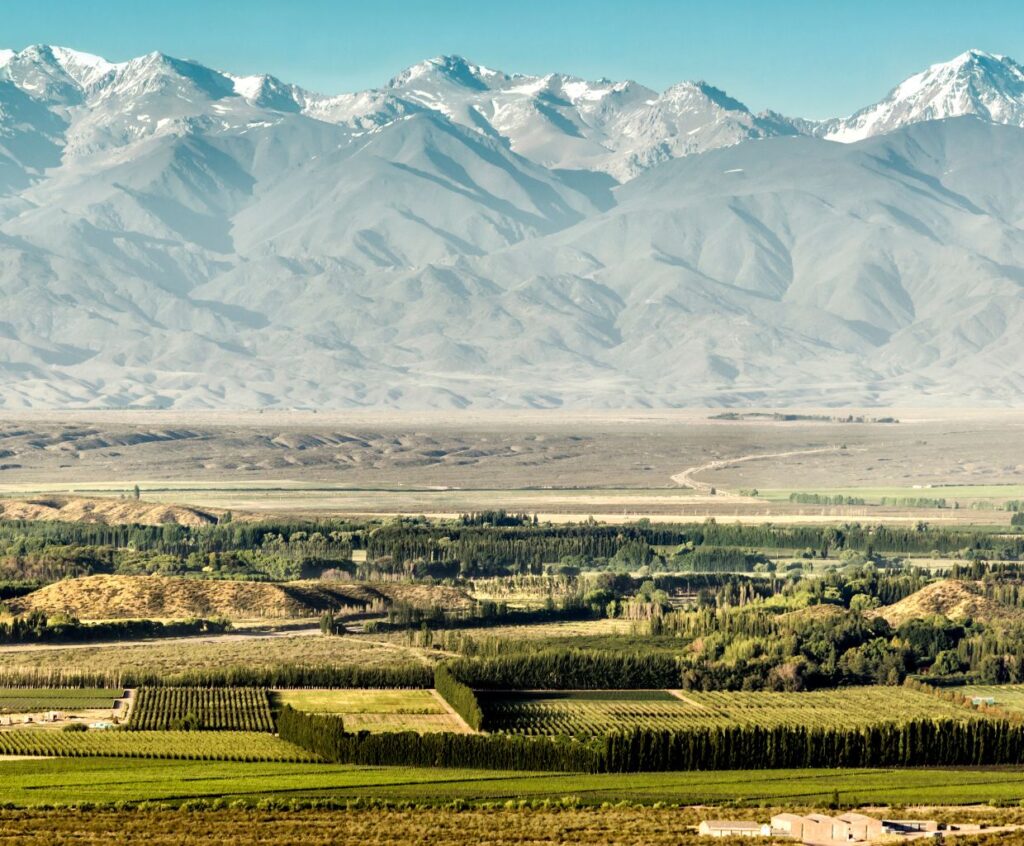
[917,826]
[820,829]
[734,828]
[825,830]
[983,700]
[861,827]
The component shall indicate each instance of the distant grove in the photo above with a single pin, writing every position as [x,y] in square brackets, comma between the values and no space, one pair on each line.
[35,552]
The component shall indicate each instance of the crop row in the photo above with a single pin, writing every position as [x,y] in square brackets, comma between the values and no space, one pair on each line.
[20,700]
[195,746]
[851,708]
[213,709]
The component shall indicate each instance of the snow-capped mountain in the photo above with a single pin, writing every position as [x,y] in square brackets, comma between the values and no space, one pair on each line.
[564,122]
[974,83]
[172,234]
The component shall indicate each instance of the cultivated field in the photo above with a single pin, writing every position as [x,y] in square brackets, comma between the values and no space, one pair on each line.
[207,709]
[25,700]
[216,653]
[115,743]
[376,710]
[97,780]
[1008,697]
[600,712]
[440,592]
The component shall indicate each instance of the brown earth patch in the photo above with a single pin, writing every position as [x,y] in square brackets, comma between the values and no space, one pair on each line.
[948,598]
[106,597]
[104,510]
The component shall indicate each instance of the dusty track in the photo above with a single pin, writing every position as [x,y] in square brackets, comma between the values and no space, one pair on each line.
[686,478]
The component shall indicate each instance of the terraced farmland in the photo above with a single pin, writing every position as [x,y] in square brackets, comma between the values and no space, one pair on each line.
[22,700]
[600,712]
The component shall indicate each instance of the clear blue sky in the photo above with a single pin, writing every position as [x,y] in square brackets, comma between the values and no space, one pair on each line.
[812,58]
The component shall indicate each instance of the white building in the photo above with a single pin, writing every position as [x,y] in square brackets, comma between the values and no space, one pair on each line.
[734,828]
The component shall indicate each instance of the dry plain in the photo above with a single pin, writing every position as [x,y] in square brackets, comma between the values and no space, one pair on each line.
[563,466]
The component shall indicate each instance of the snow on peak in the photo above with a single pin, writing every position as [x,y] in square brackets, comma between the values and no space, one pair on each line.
[701,93]
[454,69]
[84,68]
[248,87]
[974,83]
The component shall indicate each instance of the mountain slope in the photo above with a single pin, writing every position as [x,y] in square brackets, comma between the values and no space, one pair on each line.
[796,269]
[974,83]
[176,235]
[560,121]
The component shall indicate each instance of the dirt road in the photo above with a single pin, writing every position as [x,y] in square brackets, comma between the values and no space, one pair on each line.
[686,478]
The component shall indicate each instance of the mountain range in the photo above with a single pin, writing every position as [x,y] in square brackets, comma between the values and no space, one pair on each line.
[175,235]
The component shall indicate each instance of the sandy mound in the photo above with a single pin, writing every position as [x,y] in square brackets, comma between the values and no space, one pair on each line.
[100,510]
[168,597]
[953,599]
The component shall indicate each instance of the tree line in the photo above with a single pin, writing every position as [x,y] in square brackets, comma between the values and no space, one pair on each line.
[567,669]
[948,742]
[473,546]
[413,676]
[460,696]
[36,627]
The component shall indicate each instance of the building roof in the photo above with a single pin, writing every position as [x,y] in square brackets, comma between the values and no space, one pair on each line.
[734,825]
[789,817]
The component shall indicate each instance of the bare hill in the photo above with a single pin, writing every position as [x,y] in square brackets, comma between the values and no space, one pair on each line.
[165,597]
[101,510]
[953,599]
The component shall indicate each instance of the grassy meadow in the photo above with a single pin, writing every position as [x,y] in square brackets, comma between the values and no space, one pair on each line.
[375,710]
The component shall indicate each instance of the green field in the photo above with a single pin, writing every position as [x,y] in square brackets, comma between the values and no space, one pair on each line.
[29,699]
[598,712]
[74,781]
[209,746]
[375,710]
[356,701]
[1008,697]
